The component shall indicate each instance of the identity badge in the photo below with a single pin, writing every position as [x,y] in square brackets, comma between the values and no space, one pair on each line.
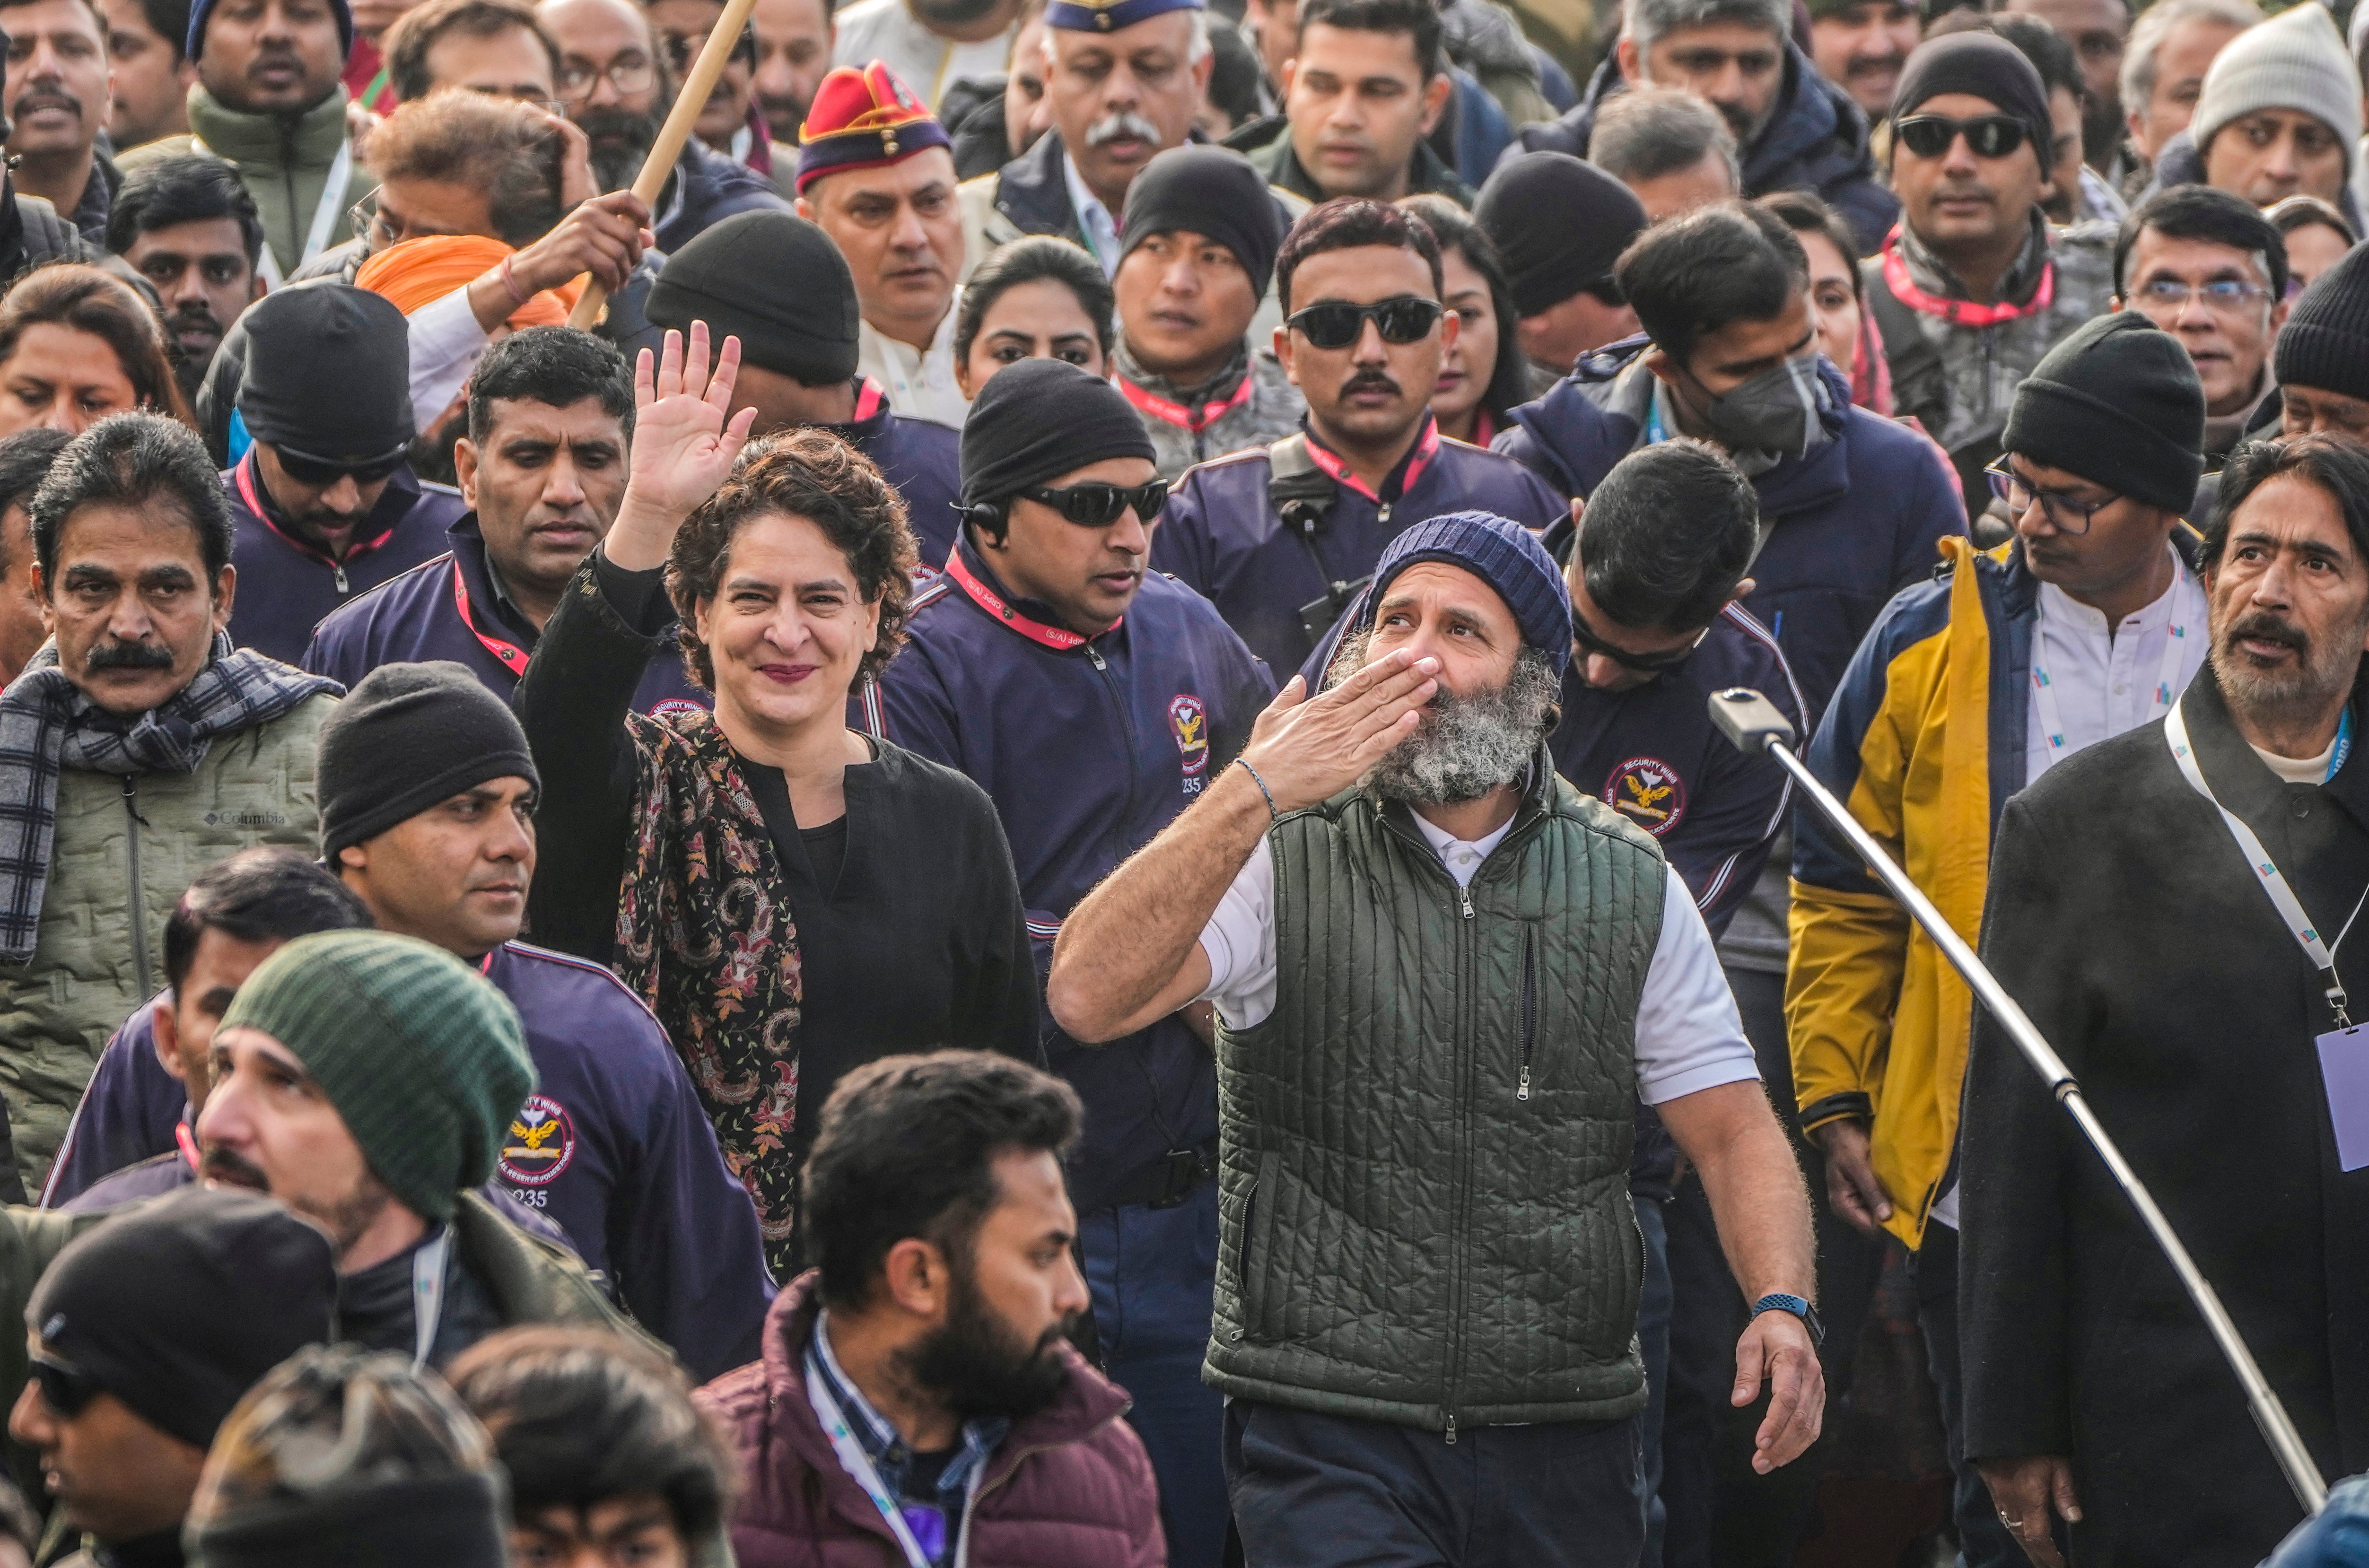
[2344,1069]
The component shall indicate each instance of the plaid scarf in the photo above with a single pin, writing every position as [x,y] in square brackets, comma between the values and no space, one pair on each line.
[47,723]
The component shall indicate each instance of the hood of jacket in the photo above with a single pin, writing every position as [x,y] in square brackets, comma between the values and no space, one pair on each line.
[2181,164]
[267,142]
[1592,419]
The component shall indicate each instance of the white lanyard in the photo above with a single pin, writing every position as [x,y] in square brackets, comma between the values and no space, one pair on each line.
[858,1465]
[2275,882]
[324,212]
[427,1293]
[2043,691]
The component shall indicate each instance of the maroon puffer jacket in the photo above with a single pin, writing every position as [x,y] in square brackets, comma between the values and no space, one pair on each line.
[1071,1485]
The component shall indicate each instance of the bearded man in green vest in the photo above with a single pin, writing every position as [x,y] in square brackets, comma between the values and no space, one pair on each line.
[1443,978]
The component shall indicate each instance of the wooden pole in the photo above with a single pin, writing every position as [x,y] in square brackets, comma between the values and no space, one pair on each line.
[688,103]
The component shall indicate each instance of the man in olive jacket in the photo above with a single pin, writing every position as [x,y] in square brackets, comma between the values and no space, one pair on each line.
[268,102]
[2136,925]
[1444,977]
[136,749]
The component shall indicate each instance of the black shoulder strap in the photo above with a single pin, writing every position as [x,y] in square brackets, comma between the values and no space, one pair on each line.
[1916,379]
[1301,493]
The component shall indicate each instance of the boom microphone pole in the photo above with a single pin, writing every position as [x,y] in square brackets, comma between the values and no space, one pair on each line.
[1753,723]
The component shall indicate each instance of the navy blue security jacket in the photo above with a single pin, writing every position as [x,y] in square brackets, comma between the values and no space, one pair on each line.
[286,584]
[1221,536]
[920,460]
[613,1145]
[446,608]
[1089,747]
[1849,525]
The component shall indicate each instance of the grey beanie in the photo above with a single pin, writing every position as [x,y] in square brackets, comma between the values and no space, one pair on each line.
[2297,61]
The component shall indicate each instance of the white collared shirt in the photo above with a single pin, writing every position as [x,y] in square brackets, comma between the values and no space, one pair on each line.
[1094,218]
[887,31]
[920,383]
[1689,1036]
[2103,684]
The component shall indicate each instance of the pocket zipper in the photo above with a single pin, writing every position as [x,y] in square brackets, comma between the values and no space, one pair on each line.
[1530,1008]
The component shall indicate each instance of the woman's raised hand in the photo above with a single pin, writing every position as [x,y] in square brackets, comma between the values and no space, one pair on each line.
[683,443]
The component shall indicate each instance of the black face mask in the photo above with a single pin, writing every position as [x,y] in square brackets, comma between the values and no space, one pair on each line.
[1775,411]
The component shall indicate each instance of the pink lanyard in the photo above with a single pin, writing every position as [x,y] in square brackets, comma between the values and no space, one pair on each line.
[1958,313]
[1193,419]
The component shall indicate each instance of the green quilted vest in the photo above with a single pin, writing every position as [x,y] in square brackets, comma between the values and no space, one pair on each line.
[1424,1196]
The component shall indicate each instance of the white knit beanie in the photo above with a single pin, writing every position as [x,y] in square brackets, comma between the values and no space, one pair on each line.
[2296,59]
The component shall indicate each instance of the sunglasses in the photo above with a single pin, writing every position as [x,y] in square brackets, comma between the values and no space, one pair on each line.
[1987,135]
[1099,505]
[65,1388]
[307,469]
[1338,324]
[1640,663]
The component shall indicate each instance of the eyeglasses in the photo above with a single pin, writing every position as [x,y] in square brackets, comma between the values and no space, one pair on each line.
[2066,514]
[1099,505]
[630,78]
[1987,135]
[1585,636]
[65,1388]
[2223,296]
[683,48]
[1338,324]
[307,469]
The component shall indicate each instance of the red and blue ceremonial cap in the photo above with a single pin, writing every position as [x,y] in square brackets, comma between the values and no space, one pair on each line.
[1109,15]
[863,119]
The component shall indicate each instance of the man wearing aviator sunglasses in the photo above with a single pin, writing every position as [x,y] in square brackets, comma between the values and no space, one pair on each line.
[1280,538]
[1972,287]
[1094,701]
[143,1334]
[324,503]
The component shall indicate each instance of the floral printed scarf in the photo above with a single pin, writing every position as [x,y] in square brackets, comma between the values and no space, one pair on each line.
[704,935]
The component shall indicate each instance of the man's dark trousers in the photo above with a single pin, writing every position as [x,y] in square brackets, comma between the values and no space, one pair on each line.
[1153,1273]
[1983,1540]
[1317,1491]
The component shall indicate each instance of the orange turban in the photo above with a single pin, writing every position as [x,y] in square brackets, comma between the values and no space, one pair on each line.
[421,271]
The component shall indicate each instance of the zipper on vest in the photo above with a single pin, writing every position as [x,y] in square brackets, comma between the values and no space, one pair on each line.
[1451,1429]
[1464,895]
[339,568]
[132,823]
[1529,1007]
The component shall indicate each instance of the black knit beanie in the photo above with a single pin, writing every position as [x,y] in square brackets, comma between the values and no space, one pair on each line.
[1558,223]
[2325,343]
[1214,192]
[2118,402]
[179,1305]
[328,372]
[774,281]
[1985,65]
[1041,418]
[406,736]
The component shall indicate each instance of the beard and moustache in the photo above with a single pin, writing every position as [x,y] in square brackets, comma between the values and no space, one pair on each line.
[345,1217]
[1466,745]
[976,1365]
[621,140]
[2323,671]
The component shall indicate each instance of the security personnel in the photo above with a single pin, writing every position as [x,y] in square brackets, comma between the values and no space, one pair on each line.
[324,502]
[1280,538]
[1094,700]
[799,354]
[542,470]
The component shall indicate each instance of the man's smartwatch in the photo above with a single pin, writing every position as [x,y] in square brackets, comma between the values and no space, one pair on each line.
[1799,1308]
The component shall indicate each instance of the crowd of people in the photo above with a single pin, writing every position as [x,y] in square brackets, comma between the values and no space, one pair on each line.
[1029,867]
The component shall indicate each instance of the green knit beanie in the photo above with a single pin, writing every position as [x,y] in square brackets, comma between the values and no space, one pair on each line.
[423,1057]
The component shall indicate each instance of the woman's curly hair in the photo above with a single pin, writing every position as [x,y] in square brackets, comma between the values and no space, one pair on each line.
[812,474]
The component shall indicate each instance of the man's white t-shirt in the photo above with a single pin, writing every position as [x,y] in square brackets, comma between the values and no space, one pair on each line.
[887,31]
[1689,1036]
